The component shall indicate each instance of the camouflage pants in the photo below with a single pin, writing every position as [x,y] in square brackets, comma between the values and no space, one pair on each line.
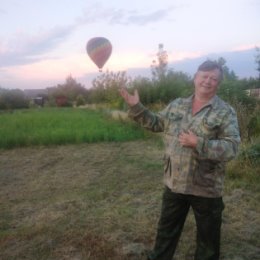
[208,215]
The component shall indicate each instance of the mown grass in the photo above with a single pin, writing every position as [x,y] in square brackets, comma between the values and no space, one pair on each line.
[52,126]
[92,201]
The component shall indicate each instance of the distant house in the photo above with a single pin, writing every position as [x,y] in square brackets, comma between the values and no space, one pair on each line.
[61,101]
[39,101]
[37,96]
[255,92]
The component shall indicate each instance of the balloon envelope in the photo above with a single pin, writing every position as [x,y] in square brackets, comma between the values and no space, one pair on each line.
[99,50]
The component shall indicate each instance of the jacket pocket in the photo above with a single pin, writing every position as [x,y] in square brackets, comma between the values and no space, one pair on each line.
[205,173]
[209,128]
[167,165]
[172,124]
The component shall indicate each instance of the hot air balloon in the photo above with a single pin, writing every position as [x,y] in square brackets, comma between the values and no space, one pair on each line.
[99,50]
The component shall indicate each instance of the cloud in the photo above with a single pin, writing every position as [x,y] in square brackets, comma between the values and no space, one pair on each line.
[182,55]
[254,2]
[244,47]
[138,18]
[44,73]
[98,13]
[24,48]
[2,11]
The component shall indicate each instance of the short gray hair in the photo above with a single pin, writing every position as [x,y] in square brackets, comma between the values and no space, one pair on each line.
[209,65]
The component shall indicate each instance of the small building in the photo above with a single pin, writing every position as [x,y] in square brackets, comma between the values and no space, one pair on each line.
[255,92]
[37,96]
[61,101]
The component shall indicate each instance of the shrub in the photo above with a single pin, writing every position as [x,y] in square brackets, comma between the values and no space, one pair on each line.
[251,153]
[80,100]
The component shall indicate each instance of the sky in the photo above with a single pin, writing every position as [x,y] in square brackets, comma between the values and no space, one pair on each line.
[43,42]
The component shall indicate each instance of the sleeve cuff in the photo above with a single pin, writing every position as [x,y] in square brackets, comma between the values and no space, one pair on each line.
[136,110]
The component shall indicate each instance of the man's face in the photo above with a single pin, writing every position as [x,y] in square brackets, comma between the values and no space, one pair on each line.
[206,82]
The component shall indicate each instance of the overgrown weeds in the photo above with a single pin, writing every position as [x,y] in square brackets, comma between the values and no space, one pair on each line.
[59,126]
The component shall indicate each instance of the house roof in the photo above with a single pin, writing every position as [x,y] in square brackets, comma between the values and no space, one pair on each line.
[33,93]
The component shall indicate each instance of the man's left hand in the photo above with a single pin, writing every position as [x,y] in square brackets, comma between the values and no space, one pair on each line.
[188,139]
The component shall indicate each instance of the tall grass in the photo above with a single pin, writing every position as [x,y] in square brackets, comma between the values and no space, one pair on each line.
[62,126]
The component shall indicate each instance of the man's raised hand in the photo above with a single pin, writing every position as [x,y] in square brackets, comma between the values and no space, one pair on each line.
[130,99]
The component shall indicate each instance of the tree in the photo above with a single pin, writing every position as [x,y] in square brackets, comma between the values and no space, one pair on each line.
[68,92]
[159,67]
[12,99]
[145,89]
[257,60]
[106,86]
[227,73]
[80,100]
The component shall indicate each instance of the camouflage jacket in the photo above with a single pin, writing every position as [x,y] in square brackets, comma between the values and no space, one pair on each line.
[197,171]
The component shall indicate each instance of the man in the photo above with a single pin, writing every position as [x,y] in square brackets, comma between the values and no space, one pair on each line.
[201,134]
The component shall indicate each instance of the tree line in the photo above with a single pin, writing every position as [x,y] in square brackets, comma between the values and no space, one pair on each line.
[164,85]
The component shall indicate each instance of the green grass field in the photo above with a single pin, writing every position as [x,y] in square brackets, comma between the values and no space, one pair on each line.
[54,126]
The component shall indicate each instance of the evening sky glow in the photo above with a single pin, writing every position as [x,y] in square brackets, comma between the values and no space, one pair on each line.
[42,42]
